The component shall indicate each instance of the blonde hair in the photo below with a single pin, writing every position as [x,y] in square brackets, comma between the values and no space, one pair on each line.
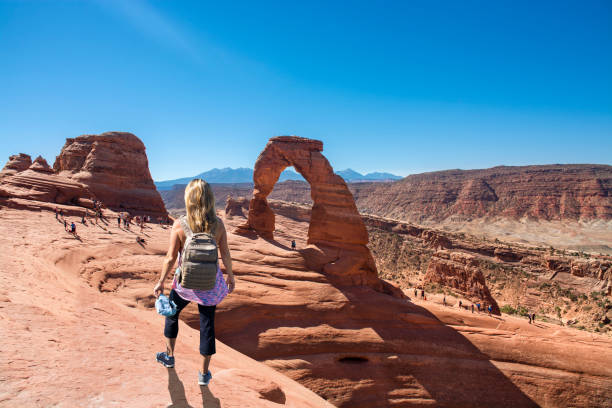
[200,206]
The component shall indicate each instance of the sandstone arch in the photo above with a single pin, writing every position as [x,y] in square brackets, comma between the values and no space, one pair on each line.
[334,215]
[337,236]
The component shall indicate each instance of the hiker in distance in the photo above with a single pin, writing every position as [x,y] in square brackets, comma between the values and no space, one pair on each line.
[197,237]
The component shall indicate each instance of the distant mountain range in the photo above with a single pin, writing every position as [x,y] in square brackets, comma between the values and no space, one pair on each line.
[245,175]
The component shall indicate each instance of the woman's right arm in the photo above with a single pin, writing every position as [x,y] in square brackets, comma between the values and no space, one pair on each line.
[170,259]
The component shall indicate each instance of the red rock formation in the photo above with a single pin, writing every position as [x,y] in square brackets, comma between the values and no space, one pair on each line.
[336,234]
[436,240]
[38,183]
[235,207]
[460,271]
[115,168]
[540,192]
[41,165]
[18,162]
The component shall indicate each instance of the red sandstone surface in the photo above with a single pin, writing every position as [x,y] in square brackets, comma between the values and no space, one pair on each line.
[78,329]
[461,272]
[115,168]
[83,300]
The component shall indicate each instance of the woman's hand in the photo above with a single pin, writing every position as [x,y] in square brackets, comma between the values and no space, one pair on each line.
[231,283]
[158,289]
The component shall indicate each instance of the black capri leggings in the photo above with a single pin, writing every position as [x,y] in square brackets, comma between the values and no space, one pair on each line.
[207,324]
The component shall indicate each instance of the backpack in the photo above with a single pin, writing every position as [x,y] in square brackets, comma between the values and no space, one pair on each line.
[199,259]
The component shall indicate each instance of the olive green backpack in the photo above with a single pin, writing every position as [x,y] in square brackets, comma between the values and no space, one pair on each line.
[199,259]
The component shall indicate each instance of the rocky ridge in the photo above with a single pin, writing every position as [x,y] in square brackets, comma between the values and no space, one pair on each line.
[548,192]
[111,168]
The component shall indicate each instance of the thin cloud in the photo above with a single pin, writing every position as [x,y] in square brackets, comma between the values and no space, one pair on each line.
[151,22]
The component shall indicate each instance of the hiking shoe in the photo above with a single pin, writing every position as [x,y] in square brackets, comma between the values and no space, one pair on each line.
[204,379]
[165,360]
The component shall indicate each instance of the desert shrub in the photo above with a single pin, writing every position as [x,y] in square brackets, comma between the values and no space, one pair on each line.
[508,309]
[558,311]
[522,311]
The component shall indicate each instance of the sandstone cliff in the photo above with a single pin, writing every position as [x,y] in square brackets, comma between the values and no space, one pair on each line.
[548,192]
[114,166]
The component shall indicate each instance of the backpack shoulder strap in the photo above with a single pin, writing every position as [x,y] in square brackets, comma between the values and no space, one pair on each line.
[185,226]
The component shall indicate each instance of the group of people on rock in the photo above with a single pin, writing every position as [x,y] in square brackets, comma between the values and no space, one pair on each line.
[531,317]
[480,308]
[474,306]
[97,207]
[68,226]
[126,219]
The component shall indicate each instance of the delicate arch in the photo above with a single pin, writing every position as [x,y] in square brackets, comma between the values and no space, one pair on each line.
[334,218]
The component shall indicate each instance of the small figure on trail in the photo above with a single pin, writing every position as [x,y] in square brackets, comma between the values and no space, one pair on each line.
[293,244]
[73,228]
[65,225]
[56,211]
[83,219]
[61,213]
[422,294]
[119,221]
[444,300]
[533,317]
[478,306]
[490,309]
[201,219]
[529,317]
[472,308]
[416,295]
[460,304]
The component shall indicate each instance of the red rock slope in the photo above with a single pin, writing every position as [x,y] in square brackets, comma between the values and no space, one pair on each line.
[551,192]
[78,329]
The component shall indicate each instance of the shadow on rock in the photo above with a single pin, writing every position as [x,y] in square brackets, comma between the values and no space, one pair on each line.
[178,397]
[177,390]
[208,399]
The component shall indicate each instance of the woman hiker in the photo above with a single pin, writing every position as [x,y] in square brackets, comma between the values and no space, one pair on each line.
[201,217]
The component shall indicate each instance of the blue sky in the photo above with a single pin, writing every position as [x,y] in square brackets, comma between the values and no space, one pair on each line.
[403,86]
